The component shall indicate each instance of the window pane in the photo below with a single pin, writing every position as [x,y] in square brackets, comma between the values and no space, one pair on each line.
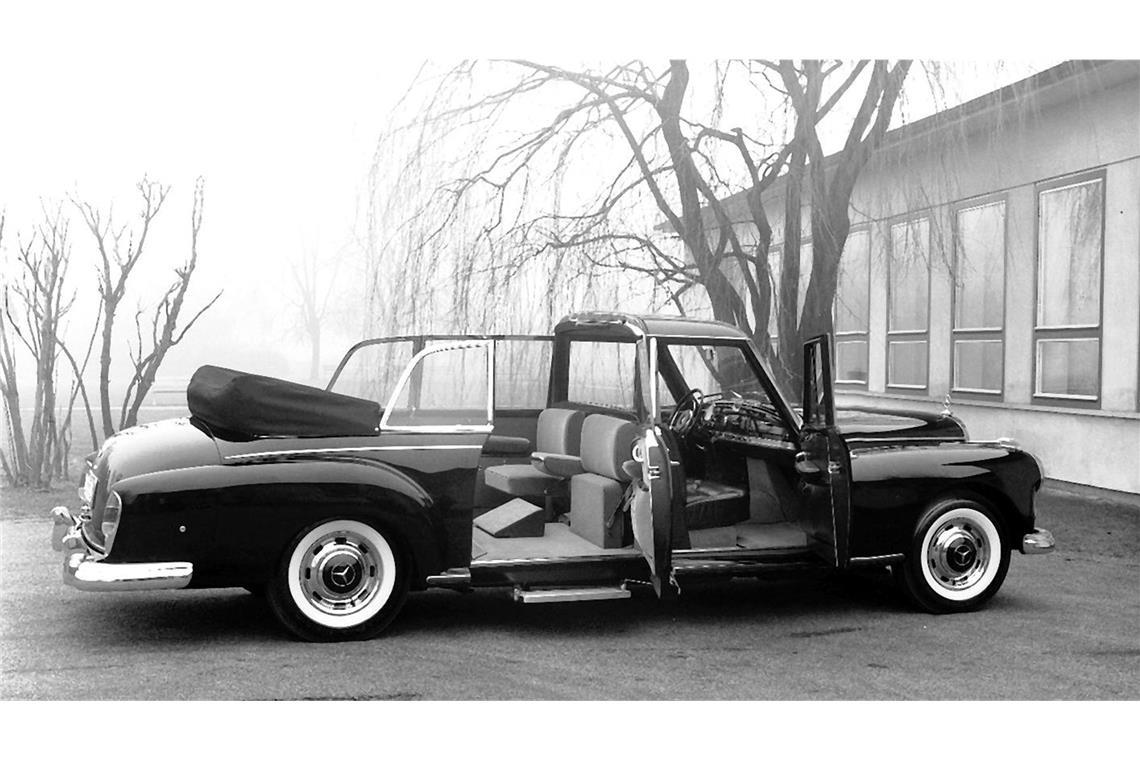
[602,374]
[775,270]
[906,363]
[775,267]
[805,277]
[445,388]
[910,275]
[522,373]
[851,361]
[979,268]
[717,369]
[1068,367]
[852,294]
[372,371]
[978,365]
[1069,239]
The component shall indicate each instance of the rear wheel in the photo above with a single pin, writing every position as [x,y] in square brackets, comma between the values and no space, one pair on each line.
[339,580]
[958,558]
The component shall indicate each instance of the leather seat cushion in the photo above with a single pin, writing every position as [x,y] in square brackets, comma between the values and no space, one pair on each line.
[559,431]
[709,504]
[518,479]
[607,443]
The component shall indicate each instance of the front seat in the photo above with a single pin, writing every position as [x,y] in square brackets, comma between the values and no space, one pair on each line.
[559,434]
[596,494]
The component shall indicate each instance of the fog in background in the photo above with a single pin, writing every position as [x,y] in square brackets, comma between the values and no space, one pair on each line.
[279,118]
[279,112]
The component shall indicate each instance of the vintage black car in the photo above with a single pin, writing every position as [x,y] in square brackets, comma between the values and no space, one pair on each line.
[620,451]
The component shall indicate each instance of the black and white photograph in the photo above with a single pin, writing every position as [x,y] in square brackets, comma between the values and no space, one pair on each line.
[513,378]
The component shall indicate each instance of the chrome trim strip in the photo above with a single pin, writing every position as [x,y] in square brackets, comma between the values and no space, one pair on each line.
[458,578]
[525,562]
[294,452]
[911,439]
[1039,541]
[878,559]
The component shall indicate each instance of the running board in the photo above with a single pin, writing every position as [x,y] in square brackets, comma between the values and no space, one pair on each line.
[583,594]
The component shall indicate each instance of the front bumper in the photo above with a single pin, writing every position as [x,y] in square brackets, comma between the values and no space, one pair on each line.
[84,570]
[1039,541]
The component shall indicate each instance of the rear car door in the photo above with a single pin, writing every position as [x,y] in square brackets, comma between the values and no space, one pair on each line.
[823,463]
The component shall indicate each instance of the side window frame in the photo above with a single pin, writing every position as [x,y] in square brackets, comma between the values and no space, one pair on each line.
[406,378]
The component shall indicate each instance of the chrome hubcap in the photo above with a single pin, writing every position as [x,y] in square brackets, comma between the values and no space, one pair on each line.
[958,554]
[340,572]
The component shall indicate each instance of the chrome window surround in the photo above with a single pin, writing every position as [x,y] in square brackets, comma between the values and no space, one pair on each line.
[406,375]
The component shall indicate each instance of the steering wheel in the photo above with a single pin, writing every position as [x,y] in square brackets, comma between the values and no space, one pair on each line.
[685,413]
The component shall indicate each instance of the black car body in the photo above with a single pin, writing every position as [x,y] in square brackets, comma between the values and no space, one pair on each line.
[337,523]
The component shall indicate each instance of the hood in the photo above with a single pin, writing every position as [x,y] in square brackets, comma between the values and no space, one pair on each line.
[864,426]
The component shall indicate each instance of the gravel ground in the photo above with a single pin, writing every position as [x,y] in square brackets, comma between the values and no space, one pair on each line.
[1064,626]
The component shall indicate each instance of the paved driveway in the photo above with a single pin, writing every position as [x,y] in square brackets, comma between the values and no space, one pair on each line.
[1064,626]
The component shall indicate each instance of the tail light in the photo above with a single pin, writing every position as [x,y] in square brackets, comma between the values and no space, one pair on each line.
[112,512]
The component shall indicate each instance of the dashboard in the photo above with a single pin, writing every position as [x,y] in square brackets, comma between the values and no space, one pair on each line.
[740,420]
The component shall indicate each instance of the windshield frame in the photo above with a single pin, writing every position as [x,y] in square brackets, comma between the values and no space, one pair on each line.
[755,362]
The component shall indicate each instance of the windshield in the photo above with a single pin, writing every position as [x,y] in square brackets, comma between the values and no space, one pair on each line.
[715,369]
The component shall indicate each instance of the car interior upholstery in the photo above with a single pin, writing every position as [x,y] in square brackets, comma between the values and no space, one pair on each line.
[740,490]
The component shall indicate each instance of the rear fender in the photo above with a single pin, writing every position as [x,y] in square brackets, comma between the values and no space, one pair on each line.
[234,521]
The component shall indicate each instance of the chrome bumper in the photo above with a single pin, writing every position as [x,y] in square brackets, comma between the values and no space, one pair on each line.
[1039,541]
[83,570]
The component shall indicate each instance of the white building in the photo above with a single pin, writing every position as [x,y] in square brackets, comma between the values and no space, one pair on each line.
[994,255]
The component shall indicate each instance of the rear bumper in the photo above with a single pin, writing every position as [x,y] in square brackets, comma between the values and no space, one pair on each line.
[1039,541]
[86,571]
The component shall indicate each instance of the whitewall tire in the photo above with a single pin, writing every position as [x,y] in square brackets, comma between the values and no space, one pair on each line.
[340,579]
[958,557]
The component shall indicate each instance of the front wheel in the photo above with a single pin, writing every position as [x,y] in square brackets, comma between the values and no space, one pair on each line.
[339,580]
[958,558]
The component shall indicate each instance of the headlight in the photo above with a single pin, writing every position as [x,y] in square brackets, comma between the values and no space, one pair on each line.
[111,514]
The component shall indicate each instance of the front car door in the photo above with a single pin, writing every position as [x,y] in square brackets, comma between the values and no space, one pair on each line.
[823,463]
[652,503]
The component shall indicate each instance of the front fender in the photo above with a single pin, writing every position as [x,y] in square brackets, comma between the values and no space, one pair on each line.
[234,521]
[892,486]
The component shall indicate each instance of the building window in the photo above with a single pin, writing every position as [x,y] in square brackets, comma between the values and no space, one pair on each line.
[1067,337]
[852,310]
[979,298]
[775,269]
[908,305]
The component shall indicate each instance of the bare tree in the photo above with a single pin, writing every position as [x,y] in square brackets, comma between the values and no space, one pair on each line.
[120,247]
[678,161]
[35,305]
[314,281]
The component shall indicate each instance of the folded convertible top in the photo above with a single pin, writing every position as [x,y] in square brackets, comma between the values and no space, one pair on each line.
[255,405]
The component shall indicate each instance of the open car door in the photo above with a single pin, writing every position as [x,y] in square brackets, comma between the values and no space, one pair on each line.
[823,463]
[650,510]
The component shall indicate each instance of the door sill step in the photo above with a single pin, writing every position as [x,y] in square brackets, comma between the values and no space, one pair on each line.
[583,594]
